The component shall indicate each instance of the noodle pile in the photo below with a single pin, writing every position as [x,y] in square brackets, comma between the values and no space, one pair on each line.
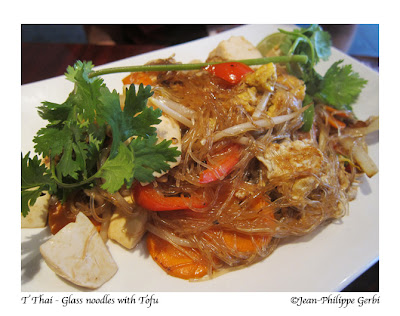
[286,182]
[246,202]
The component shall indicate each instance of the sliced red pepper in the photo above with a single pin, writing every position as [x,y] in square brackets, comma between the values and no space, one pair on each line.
[232,72]
[149,198]
[224,164]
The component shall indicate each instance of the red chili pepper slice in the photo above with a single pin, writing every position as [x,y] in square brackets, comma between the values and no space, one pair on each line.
[224,164]
[232,72]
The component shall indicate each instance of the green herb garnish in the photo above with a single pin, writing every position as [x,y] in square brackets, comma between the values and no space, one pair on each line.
[339,87]
[79,132]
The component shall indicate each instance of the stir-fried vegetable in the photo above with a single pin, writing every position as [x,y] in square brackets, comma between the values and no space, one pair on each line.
[147,197]
[222,164]
[232,72]
[339,87]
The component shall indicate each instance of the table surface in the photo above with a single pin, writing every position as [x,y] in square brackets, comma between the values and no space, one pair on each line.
[46,60]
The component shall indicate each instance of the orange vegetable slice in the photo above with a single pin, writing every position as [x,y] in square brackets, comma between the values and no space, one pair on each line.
[149,198]
[224,164]
[138,78]
[173,261]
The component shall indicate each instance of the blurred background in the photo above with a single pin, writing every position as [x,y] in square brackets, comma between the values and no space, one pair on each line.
[47,50]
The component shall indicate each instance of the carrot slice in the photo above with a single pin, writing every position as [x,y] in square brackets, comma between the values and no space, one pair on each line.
[225,162]
[332,120]
[149,198]
[242,242]
[335,122]
[173,261]
[340,113]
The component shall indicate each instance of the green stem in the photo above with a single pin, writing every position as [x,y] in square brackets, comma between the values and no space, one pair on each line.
[70,185]
[174,67]
[304,38]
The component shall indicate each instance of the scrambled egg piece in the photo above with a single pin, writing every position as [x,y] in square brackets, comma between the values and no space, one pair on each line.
[78,254]
[293,84]
[37,216]
[236,47]
[288,98]
[127,230]
[263,78]
[254,85]
[248,99]
[291,157]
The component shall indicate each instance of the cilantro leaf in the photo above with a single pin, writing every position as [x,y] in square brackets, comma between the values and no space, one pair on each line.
[150,157]
[311,41]
[118,170]
[122,122]
[135,103]
[50,141]
[80,70]
[322,44]
[78,134]
[54,113]
[341,86]
[35,179]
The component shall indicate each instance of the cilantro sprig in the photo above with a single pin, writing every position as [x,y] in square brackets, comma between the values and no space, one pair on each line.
[339,87]
[79,131]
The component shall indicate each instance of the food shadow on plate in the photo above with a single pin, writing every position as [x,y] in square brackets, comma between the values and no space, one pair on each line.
[372,138]
[31,257]
[365,187]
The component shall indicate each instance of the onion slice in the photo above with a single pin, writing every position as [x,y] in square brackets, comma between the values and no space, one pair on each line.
[177,107]
[373,125]
[254,125]
[162,104]
[261,105]
[360,156]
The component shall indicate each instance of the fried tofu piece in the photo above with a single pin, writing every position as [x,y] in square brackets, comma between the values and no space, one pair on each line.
[78,254]
[235,48]
[169,129]
[37,216]
[128,230]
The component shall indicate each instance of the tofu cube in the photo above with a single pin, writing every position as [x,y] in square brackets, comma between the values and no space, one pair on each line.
[78,254]
[127,230]
[37,216]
